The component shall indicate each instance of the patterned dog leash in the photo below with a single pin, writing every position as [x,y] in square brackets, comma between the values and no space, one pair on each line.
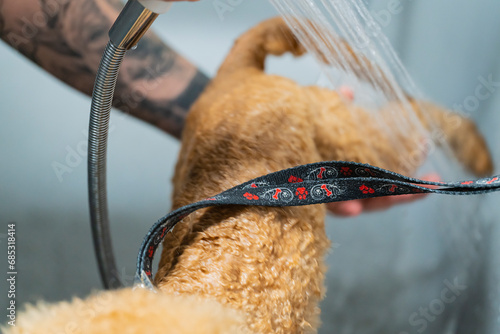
[316,183]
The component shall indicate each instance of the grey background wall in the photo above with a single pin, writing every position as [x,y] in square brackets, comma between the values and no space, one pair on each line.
[386,269]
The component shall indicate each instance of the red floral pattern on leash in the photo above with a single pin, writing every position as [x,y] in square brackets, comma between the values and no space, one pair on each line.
[251,197]
[366,190]
[294,179]
[346,171]
[492,180]
[302,193]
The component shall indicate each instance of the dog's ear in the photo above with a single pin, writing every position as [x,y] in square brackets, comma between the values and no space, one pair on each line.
[279,39]
[251,49]
[275,37]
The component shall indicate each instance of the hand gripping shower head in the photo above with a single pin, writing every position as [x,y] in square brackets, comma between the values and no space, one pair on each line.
[132,23]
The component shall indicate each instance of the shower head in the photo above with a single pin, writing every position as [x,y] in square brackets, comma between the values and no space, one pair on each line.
[134,20]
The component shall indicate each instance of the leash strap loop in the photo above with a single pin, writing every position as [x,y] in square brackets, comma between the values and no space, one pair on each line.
[315,183]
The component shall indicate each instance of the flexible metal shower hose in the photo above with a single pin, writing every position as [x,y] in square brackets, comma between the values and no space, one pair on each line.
[102,98]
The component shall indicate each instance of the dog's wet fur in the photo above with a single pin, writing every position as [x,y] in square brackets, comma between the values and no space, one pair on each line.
[250,269]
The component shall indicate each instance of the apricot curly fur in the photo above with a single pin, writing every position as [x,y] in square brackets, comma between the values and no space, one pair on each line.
[257,269]
[247,124]
[130,311]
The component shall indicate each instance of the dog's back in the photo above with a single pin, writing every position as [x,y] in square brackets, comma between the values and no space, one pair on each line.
[266,262]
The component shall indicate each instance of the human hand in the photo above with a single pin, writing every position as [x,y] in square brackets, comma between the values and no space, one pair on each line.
[358,206]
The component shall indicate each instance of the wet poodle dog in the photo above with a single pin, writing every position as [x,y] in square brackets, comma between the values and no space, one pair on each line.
[243,269]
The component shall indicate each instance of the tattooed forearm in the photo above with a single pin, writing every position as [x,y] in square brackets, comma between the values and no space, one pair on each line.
[68,37]
[2,21]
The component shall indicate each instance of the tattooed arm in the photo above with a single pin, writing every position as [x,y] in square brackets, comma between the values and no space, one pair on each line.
[67,38]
